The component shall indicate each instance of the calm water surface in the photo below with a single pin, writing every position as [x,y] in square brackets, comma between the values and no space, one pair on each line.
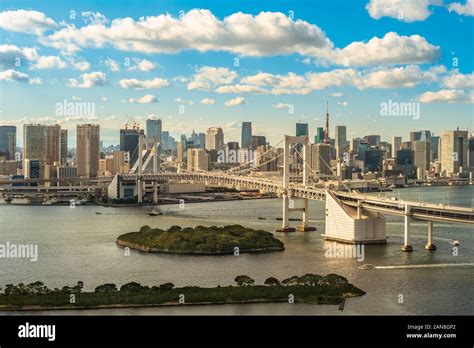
[78,244]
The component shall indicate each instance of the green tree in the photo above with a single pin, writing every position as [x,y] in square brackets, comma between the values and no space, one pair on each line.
[167,286]
[271,281]
[131,287]
[106,288]
[242,280]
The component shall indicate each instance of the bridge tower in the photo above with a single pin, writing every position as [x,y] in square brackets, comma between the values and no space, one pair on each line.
[154,153]
[286,192]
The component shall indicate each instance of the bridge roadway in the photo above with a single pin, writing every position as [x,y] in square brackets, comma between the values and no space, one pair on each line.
[390,206]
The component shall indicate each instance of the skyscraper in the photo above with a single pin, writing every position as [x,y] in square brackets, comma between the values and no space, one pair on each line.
[396,145]
[404,161]
[129,143]
[153,130]
[246,134]
[373,140]
[340,141]
[63,151]
[301,129]
[87,150]
[453,145]
[8,142]
[34,148]
[319,137]
[214,139]
[53,145]
[197,160]
[320,158]
[421,160]
[258,140]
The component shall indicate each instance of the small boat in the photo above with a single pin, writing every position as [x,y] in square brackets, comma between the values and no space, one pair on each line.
[261,218]
[367,266]
[98,213]
[155,212]
[456,243]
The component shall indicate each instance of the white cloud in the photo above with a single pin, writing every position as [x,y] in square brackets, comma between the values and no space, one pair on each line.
[82,65]
[337,94]
[235,101]
[146,99]
[144,84]
[392,48]
[16,76]
[344,103]
[267,33]
[13,56]
[75,98]
[111,118]
[208,101]
[28,22]
[403,10]
[238,89]
[400,77]
[143,65]
[104,99]
[206,78]
[49,62]
[94,18]
[96,78]
[112,64]
[446,95]
[456,80]
[466,9]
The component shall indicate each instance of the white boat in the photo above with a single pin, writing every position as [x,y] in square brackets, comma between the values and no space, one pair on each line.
[367,266]
[456,243]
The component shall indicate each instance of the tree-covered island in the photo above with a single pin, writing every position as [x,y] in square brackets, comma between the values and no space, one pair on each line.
[201,240]
[309,288]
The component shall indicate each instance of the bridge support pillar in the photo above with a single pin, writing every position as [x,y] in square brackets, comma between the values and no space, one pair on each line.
[304,227]
[285,227]
[406,245]
[429,244]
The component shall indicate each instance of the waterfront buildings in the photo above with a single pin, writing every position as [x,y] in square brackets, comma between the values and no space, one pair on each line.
[154,129]
[340,141]
[129,143]
[87,150]
[246,135]
[214,139]
[453,151]
[8,142]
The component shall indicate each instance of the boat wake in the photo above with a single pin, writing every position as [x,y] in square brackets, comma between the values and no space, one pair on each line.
[437,265]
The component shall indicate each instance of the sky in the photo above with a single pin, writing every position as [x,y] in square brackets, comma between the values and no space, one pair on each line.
[197,64]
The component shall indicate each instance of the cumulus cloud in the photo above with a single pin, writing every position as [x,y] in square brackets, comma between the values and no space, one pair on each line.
[446,95]
[400,77]
[207,77]
[49,62]
[208,101]
[466,9]
[144,84]
[96,78]
[392,48]
[146,99]
[28,22]
[238,89]
[403,10]
[112,64]
[235,101]
[16,76]
[183,101]
[456,80]
[90,17]
[337,94]
[143,65]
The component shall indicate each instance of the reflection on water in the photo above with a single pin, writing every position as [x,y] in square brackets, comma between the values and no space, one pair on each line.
[77,244]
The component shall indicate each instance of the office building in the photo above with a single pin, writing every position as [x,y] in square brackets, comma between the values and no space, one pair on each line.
[404,161]
[153,130]
[453,151]
[396,145]
[87,150]
[8,142]
[340,141]
[421,159]
[246,134]
[129,143]
[373,140]
[197,160]
[373,160]
[214,139]
[320,158]
[319,137]
[63,147]
[302,129]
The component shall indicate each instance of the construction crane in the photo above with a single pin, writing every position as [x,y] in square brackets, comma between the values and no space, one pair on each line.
[131,121]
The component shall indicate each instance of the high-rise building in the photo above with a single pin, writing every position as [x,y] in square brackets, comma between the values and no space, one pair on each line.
[87,150]
[214,139]
[421,160]
[153,130]
[373,140]
[373,160]
[8,142]
[340,141]
[404,161]
[320,158]
[119,164]
[53,144]
[180,152]
[471,153]
[319,137]
[197,160]
[302,129]
[434,147]
[34,149]
[246,134]
[63,150]
[202,140]
[453,154]
[258,140]
[396,145]
[129,143]
[166,140]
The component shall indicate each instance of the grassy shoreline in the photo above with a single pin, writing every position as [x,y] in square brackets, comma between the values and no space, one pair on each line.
[311,289]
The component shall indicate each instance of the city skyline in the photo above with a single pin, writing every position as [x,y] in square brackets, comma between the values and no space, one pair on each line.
[274,82]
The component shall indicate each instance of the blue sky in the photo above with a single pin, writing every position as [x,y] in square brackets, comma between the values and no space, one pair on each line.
[292,57]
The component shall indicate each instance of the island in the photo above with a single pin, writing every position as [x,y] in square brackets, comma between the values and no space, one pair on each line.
[201,240]
[309,288]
